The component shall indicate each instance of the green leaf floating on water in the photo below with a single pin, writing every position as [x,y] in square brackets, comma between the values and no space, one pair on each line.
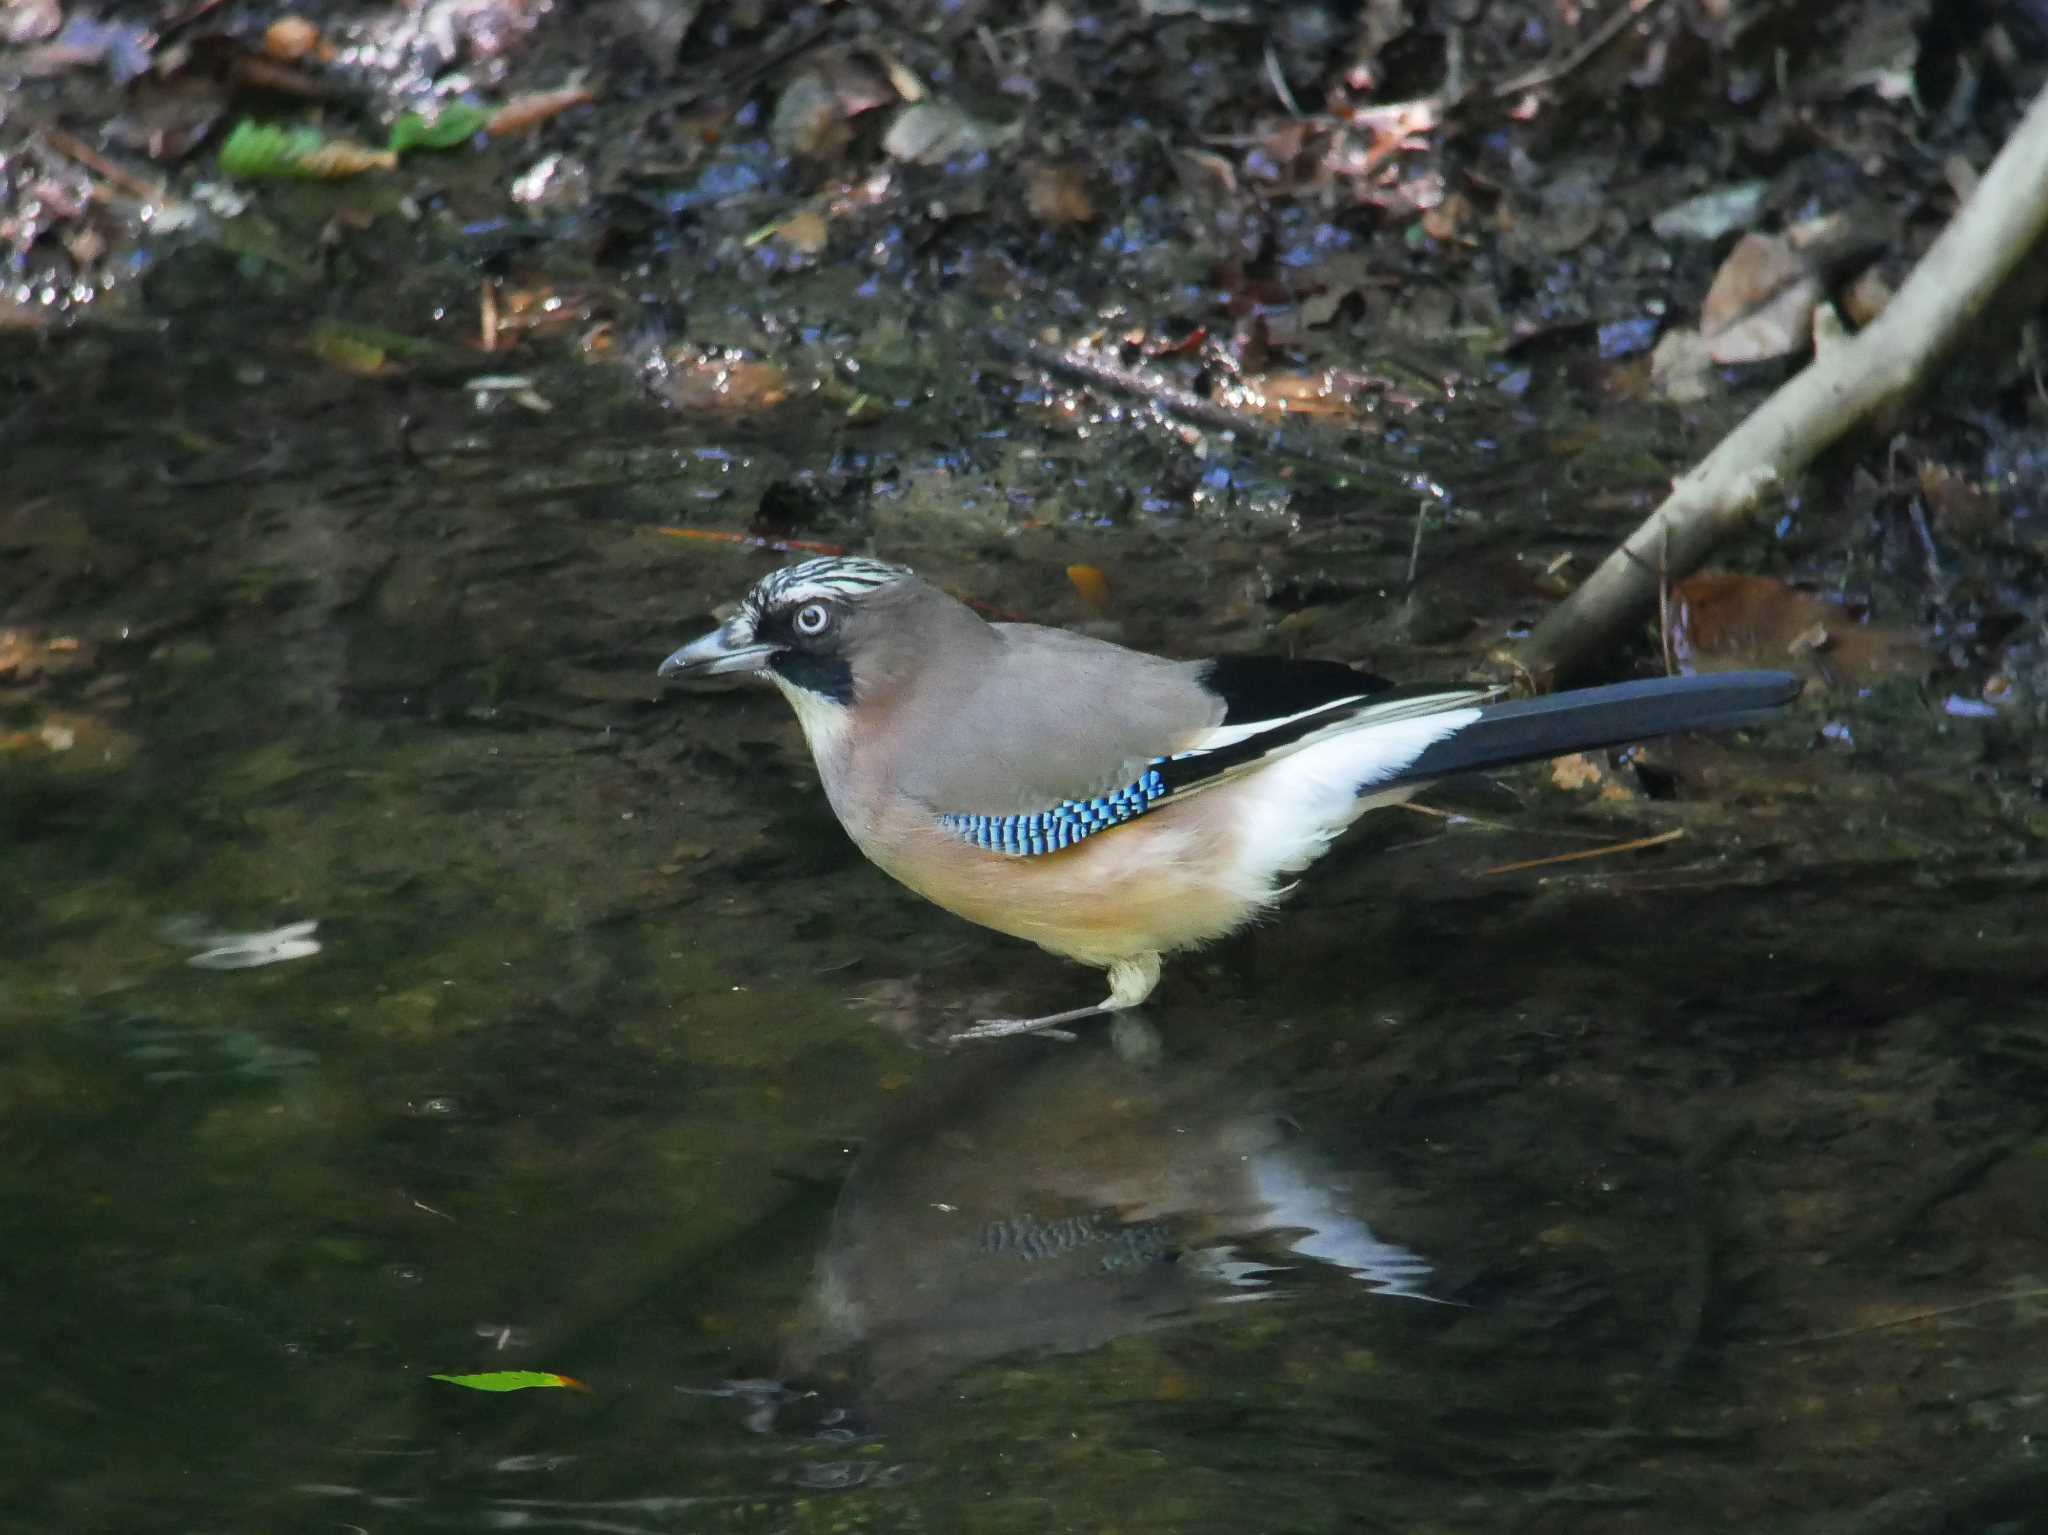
[260,152]
[455,124]
[512,1380]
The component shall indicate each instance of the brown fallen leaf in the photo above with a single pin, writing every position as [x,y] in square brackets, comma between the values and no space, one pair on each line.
[539,309]
[807,121]
[1448,220]
[259,73]
[1960,507]
[727,384]
[1577,771]
[1058,195]
[1721,619]
[806,233]
[902,79]
[85,245]
[20,658]
[333,161]
[535,108]
[1681,369]
[1761,303]
[290,38]
[1091,583]
[352,354]
[1328,394]
[1866,298]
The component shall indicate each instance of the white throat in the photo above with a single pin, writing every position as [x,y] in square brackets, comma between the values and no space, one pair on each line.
[825,725]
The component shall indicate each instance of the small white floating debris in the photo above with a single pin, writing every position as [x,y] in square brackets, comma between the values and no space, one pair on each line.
[486,388]
[245,951]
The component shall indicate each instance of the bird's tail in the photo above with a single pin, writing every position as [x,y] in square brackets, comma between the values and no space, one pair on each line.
[1532,729]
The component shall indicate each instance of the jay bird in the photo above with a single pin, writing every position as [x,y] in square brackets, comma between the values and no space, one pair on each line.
[1114,806]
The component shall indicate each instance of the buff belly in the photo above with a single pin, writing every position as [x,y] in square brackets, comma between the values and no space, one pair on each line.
[1170,880]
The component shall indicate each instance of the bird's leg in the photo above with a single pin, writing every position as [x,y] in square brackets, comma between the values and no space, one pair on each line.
[1130,982]
[1049,1025]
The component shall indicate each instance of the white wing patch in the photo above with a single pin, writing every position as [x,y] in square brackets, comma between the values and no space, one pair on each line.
[1354,718]
[1376,722]
[1296,804]
[1230,735]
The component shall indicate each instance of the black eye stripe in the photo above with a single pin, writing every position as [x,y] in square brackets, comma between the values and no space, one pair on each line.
[779,625]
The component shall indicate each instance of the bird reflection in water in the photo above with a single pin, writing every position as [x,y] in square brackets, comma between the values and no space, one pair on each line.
[1053,1205]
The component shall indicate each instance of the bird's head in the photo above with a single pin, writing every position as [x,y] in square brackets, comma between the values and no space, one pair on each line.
[812,629]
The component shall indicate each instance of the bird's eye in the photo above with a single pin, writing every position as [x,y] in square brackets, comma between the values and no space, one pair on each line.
[813,619]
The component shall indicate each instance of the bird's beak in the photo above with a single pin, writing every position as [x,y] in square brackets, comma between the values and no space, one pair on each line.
[719,654]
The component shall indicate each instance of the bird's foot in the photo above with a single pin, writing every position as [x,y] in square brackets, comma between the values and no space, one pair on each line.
[1048,1027]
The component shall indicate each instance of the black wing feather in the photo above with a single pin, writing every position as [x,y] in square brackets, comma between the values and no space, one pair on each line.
[1255,688]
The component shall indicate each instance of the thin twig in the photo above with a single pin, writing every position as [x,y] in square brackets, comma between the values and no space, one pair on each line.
[487,317]
[1279,82]
[1466,818]
[127,181]
[1932,1313]
[1184,405]
[1659,840]
[1550,73]
[1415,549]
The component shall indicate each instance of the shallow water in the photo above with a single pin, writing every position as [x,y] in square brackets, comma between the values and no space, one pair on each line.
[1690,1190]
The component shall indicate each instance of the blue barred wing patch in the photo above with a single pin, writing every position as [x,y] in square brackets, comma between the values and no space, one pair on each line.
[1068,822]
